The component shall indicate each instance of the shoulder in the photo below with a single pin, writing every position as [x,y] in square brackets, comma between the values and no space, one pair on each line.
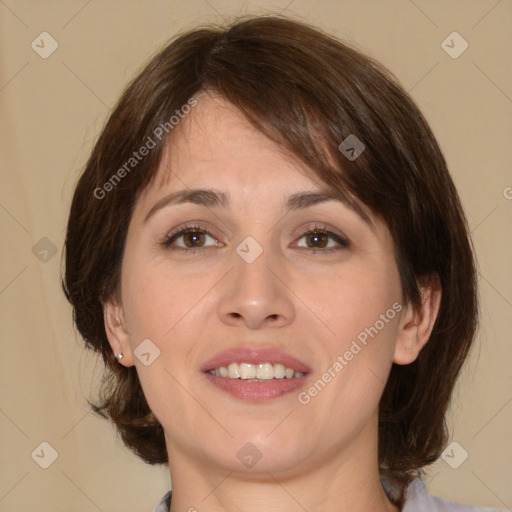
[417,499]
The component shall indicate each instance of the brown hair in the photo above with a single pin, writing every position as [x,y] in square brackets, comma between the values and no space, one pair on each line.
[308,92]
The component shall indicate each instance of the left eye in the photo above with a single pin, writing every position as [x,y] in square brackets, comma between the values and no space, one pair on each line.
[321,239]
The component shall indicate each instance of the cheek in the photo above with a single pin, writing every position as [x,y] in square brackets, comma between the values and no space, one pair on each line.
[170,308]
[355,299]
[164,307]
[153,299]
[361,308]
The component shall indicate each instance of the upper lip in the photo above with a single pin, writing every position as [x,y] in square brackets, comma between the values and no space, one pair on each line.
[254,356]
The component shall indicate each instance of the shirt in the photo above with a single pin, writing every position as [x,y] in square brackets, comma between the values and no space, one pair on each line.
[417,499]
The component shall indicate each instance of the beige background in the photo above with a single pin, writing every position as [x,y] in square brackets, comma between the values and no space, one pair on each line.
[51,112]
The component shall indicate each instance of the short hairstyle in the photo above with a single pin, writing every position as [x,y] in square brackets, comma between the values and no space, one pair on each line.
[308,92]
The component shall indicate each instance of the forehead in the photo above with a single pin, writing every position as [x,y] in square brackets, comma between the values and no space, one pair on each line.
[216,147]
[216,144]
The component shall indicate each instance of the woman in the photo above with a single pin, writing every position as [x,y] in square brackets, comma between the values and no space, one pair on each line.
[269,253]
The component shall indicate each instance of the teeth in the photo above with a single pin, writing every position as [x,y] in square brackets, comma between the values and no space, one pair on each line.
[247,371]
[261,371]
[265,371]
[233,371]
[279,371]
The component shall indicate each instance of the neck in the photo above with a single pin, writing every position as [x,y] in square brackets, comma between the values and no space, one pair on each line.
[347,481]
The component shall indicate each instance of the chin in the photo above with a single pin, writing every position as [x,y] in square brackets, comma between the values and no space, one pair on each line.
[255,452]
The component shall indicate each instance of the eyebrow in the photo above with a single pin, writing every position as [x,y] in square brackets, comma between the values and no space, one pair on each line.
[215,199]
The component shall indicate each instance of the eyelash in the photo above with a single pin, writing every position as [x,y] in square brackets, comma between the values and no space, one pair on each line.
[169,239]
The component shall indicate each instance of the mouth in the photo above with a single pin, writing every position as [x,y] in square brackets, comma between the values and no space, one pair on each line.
[260,372]
[255,374]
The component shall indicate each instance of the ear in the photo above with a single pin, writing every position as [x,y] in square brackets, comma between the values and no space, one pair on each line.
[416,324]
[117,334]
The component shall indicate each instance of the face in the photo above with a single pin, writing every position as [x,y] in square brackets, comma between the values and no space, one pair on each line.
[255,270]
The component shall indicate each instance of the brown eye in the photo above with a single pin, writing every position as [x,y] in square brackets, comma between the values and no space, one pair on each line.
[192,238]
[317,240]
[326,241]
[189,239]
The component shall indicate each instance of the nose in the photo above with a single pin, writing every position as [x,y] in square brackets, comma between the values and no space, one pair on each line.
[255,295]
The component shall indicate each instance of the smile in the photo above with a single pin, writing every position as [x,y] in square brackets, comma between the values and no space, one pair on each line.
[256,372]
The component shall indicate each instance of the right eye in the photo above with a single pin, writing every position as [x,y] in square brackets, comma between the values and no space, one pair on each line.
[190,238]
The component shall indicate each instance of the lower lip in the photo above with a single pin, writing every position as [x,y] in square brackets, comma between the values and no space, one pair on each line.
[256,391]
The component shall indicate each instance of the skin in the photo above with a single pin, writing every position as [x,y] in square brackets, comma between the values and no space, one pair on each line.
[310,304]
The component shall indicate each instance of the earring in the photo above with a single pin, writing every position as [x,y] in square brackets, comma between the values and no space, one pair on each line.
[120,356]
